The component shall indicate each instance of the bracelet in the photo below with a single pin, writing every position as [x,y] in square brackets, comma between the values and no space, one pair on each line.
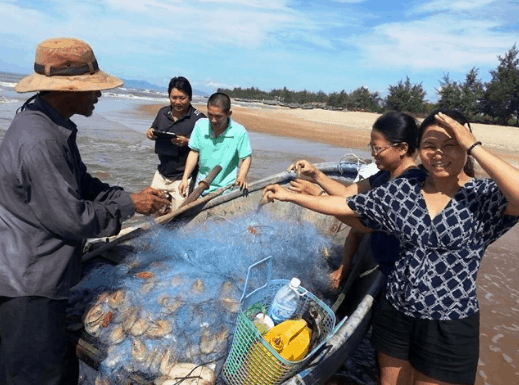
[469,150]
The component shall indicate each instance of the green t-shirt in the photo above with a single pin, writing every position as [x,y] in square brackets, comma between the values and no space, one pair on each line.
[226,150]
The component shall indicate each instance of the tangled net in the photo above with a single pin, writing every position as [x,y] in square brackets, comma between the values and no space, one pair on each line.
[175,300]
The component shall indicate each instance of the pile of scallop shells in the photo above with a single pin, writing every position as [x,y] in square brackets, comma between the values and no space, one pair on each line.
[174,300]
[161,323]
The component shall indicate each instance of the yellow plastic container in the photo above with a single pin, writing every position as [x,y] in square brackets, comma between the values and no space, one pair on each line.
[291,339]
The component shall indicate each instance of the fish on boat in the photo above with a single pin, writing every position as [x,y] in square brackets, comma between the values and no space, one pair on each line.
[353,307]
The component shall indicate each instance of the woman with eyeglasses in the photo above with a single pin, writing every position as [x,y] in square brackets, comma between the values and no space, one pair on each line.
[393,145]
[428,320]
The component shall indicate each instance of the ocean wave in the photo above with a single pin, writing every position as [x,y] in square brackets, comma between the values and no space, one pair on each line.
[4,100]
[6,84]
[134,96]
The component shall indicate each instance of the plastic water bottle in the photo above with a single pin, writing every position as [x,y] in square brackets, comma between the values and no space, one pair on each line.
[285,302]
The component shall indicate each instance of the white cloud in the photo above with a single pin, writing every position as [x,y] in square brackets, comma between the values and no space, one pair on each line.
[441,42]
[215,85]
[262,4]
[19,19]
[236,23]
[349,1]
[142,5]
[273,41]
[451,5]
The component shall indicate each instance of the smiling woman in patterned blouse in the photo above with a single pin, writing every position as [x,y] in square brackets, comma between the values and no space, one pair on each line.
[428,323]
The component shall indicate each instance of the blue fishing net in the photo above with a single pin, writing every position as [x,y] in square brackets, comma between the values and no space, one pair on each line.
[176,297]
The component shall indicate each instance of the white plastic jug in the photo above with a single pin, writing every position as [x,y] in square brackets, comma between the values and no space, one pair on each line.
[285,302]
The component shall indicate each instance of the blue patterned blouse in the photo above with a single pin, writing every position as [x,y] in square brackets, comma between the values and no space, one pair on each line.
[435,274]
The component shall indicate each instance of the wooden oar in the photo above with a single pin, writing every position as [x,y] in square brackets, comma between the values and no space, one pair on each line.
[183,208]
[203,185]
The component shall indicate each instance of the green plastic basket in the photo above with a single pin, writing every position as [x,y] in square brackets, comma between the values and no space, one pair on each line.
[251,360]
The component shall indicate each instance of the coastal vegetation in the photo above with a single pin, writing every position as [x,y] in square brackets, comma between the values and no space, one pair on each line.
[496,101]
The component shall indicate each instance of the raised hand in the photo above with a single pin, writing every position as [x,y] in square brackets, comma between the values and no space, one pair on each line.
[304,170]
[464,137]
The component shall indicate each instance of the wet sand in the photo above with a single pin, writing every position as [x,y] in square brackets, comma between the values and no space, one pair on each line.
[498,286]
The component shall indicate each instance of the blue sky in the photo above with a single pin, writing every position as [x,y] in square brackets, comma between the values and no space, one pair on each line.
[327,45]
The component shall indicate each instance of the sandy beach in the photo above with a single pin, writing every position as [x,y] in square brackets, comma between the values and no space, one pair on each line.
[498,286]
[345,128]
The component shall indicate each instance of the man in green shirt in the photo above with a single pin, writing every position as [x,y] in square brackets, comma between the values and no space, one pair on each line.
[218,140]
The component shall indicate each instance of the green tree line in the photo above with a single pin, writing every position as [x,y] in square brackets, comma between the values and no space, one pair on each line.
[496,101]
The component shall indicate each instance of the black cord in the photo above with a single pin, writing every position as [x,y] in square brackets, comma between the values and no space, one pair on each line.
[469,150]
[196,367]
[24,105]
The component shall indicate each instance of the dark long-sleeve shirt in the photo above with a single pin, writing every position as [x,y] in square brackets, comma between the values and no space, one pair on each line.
[49,205]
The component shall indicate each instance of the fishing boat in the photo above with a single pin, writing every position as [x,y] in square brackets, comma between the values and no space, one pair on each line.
[353,307]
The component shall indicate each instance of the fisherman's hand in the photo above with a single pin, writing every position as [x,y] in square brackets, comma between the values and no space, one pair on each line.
[149,201]
[150,135]
[180,141]
[303,170]
[463,136]
[183,188]
[305,187]
[275,192]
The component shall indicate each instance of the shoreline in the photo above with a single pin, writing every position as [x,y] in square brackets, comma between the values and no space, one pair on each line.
[280,121]
[342,128]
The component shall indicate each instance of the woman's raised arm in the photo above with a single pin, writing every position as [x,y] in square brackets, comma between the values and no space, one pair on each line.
[504,174]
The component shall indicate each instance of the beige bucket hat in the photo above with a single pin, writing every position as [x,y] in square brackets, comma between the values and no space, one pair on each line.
[66,64]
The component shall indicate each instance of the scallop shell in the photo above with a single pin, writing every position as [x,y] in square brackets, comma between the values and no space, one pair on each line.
[198,287]
[139,327]
[159,329]
[117,299]
[138,350]
[117,335]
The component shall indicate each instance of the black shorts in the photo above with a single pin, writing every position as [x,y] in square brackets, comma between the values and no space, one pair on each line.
[444,350]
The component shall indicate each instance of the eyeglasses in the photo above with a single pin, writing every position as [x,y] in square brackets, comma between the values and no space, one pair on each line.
[375,150]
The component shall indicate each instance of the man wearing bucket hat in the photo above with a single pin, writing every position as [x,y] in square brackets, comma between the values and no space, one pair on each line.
[49,205]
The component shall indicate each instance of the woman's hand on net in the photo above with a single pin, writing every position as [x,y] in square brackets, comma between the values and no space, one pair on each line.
[305,187]
[303,170]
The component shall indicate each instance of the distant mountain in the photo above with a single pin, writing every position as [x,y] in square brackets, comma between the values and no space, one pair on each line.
[201,93]
[145,85]
[142,84]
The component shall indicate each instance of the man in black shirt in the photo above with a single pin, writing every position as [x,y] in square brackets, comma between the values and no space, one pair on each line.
[178,118]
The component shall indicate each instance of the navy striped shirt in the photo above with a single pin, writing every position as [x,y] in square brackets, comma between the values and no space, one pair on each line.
[435,274]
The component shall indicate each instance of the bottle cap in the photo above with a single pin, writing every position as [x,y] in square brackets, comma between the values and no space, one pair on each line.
[263,323]
[295,283]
